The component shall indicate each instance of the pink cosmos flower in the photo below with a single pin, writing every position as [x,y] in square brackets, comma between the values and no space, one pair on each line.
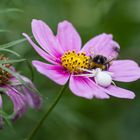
[22,96]
[68,60]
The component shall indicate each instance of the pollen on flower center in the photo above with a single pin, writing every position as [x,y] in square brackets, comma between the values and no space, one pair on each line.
[73,61]
[4,75]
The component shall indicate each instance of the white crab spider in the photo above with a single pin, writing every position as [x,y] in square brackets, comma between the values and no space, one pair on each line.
[102,78]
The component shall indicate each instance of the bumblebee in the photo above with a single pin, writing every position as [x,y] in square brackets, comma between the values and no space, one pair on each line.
[99,61]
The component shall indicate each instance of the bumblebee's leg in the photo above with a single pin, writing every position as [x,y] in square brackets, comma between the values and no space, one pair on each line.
[106,66]
[113,83]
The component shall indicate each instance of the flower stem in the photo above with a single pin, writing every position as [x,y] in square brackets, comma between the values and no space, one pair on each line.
[39,124]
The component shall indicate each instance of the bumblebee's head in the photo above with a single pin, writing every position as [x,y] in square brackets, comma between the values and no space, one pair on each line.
[99,59]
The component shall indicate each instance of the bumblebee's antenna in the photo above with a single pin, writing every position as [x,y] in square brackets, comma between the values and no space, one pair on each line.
[110,60]
[92,51]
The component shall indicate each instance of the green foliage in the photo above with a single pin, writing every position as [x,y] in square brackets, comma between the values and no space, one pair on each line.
[3,31]
[9,51]
[6,118]
[11,61]
[10,10]
[11,44]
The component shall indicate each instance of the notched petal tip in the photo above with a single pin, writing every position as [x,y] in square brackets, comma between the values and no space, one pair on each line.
[107,35]
[132,96]
[65,23]
[119,92]
[125,70]
[25,35]
[68,37]
[34,20]
[102,44]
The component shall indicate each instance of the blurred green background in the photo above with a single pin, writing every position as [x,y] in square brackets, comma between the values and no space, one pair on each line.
[76,118]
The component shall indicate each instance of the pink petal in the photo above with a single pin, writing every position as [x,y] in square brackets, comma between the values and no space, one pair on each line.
[84,87]
[18,100]
[41,52]
[1,117]
[119,92]
[55,73]
[0,101]
[125,70]
[102,45]
[68,37]
[32,97]
[44,36]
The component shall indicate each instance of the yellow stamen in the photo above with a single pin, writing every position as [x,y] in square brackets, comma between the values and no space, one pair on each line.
[73,61]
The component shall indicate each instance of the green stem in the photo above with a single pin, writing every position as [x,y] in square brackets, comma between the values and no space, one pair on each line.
[39,124]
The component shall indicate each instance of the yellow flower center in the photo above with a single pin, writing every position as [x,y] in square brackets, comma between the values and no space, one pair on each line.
[73,61]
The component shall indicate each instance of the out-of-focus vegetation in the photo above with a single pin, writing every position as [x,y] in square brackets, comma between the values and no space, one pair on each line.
[76,118]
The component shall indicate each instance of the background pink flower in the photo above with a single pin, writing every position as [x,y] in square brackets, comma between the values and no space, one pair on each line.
[22,96]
